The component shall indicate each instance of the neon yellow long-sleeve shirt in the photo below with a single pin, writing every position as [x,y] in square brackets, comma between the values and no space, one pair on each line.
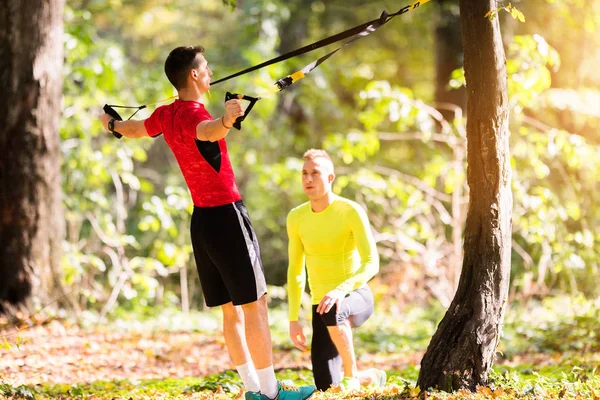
[338,247]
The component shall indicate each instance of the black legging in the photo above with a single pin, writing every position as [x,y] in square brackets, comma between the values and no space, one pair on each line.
[356,308]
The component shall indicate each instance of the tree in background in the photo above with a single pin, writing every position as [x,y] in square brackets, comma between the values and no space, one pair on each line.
[448,57]
[462,350]
[31,217]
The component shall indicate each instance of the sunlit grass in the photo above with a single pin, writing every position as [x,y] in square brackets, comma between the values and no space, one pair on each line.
[549,349]
[523,382]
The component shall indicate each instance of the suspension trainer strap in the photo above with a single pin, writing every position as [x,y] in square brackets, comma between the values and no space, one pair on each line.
[351,34]
[355,33]
[296,76]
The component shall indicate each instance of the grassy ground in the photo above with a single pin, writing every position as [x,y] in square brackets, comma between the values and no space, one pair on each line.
[506,383]
[550,350]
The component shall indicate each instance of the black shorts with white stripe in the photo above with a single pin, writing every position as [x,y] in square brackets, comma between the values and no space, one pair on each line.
[227,255]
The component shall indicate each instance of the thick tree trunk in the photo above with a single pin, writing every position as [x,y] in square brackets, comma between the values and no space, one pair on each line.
[31,217]
[462,350]
[448,57]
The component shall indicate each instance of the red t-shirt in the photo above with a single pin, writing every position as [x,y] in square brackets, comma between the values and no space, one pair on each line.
[205,165]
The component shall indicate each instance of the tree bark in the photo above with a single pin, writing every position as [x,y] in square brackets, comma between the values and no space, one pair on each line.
[31,216]
[462,350]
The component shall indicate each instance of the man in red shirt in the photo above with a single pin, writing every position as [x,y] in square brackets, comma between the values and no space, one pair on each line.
[225,245]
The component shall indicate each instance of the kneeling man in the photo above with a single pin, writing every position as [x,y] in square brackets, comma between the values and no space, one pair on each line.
[332,235]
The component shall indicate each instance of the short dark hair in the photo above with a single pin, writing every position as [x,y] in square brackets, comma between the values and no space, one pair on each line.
[312,154]
[179,62]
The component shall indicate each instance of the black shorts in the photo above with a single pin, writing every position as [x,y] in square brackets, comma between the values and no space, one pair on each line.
[356,308]
[227,255]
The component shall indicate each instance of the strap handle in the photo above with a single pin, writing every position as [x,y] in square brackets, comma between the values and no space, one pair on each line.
[230,96]
[113,113]
[110,110]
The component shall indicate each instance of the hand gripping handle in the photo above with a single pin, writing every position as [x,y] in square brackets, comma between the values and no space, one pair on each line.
[111,111]
[229,96]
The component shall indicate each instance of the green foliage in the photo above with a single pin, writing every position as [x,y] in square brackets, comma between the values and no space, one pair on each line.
[229,381]
[555,325]
[383,334]
[231,3]
[549,383]
[513,11]
[530,63]
[548,348]
[19,392]
[552,188]
[128,210]
[521,382]
[128,388]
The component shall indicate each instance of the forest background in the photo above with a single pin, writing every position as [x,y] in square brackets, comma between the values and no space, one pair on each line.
[390,110]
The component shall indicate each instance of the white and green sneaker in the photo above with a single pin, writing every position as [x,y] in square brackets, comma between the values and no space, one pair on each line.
[350,383]
[252,395]
[285,391]
[378,377]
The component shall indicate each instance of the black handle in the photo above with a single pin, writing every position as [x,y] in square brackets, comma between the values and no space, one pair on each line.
[111,111]
[230,96]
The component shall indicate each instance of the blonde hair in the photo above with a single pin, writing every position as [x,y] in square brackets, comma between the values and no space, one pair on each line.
[312,154]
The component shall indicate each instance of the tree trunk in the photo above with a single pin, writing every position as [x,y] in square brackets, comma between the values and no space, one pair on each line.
[31,217]
[462,350]
[448,57]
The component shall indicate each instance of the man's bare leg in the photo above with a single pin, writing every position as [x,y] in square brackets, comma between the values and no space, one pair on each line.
[258,335]
[234,333]
[235,339]
[248,339]
[341,335]
[258,332]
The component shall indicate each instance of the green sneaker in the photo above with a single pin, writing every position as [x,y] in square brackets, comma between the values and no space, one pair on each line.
[252,396]
[291,392]
[350,383]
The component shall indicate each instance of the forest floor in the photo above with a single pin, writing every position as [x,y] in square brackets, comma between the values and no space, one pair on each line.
[167,359]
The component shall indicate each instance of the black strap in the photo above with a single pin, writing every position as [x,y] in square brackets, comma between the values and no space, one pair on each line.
[300,51]
[367,31]
[290,79]
[359,31]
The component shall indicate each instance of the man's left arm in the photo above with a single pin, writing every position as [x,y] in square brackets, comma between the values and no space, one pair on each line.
[358,221]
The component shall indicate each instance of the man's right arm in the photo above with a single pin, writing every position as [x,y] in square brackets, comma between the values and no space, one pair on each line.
[213,130]
[217,129]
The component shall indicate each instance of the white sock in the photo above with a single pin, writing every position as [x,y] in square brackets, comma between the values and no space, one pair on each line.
[268,382]
[249,377]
